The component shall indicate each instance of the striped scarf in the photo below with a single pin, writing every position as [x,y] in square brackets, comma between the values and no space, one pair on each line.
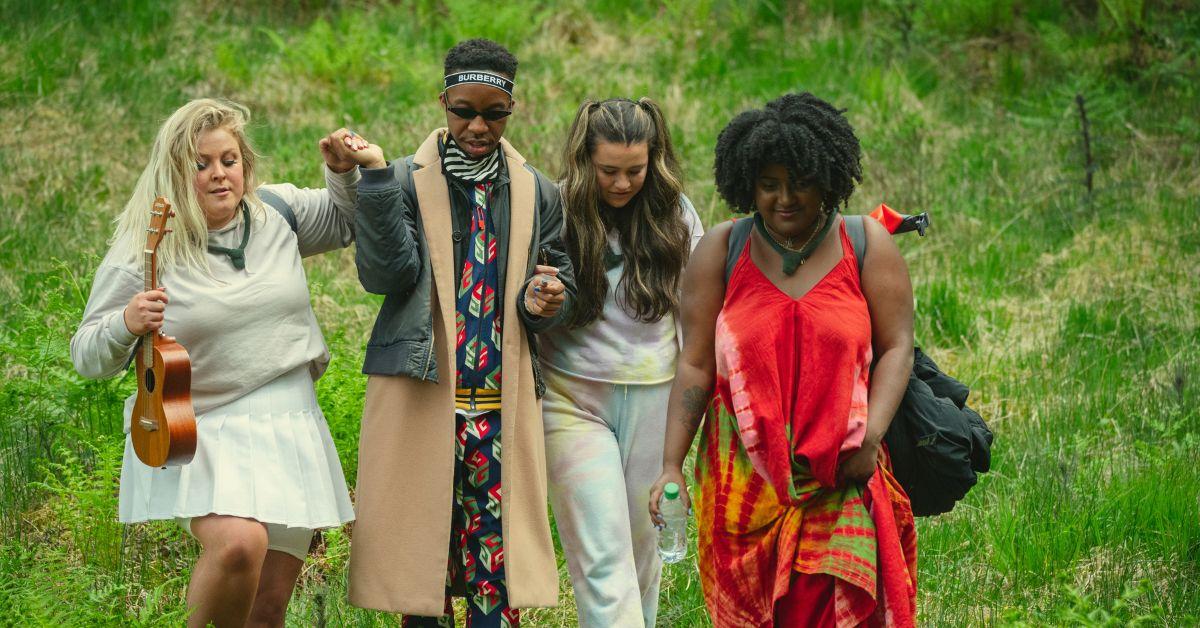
[455,163]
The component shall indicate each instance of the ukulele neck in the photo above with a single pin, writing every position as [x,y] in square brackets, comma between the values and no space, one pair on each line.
[149,279]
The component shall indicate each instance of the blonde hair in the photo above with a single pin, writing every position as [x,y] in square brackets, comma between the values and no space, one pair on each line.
[651,230]
[171,172]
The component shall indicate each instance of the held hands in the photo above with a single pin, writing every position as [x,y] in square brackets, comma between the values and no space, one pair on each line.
[671,474]
[144,313]
[344,149]
[860,466]
[544,294]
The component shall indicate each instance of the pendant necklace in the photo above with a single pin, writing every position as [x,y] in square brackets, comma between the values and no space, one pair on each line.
[794,258]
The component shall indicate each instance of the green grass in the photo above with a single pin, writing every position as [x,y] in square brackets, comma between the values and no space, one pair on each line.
[1073,316]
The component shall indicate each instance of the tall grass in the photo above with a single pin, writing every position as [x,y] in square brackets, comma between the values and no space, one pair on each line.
[1073,316]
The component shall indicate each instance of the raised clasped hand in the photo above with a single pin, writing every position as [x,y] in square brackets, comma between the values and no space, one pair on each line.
[545,294]
[344,149]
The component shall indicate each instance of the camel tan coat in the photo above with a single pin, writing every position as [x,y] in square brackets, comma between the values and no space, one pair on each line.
[401,539]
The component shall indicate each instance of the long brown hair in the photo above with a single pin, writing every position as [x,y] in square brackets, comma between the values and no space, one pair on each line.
[653,235]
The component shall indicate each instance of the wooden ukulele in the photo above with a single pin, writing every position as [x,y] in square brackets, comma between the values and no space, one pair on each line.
[163,426]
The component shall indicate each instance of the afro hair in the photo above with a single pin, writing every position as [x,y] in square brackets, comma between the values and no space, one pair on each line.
[808,136]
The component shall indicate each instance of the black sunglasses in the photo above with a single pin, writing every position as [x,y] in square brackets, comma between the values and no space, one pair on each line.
[491,115]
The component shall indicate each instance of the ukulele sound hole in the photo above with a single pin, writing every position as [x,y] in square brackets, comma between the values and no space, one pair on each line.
[149,380]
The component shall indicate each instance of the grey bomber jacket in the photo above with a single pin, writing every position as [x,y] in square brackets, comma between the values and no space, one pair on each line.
[393,260]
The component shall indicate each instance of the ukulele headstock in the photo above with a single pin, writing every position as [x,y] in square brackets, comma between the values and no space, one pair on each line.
[160,211]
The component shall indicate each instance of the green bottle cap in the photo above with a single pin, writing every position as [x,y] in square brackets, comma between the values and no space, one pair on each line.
[671,490]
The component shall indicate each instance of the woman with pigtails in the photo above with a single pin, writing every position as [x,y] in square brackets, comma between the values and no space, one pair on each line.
[629,231]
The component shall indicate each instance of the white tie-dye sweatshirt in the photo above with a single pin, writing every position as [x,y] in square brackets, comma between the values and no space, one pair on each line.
[616,347]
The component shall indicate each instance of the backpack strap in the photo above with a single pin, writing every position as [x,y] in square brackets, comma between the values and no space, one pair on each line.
[281,206]
[737,241]
[740,233]
[857,232]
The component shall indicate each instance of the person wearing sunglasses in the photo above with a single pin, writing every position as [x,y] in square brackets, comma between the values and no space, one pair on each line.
[462,239]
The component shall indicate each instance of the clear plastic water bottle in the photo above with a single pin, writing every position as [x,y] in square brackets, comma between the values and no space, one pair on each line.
[672,537]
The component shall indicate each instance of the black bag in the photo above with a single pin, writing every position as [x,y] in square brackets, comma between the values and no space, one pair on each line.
[937,444]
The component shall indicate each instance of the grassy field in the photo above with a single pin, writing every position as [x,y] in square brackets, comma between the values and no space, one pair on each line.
[1072,313]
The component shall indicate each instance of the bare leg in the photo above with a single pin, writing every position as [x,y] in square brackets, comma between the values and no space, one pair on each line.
[279,573]
[225,577]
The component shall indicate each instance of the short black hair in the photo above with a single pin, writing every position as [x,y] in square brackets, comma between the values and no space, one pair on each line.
[808,136]
[481,54]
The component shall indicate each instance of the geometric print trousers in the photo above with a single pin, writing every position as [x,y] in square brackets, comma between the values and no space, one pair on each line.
[476,560]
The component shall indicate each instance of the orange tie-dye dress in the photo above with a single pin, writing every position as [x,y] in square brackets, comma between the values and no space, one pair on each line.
[790,403]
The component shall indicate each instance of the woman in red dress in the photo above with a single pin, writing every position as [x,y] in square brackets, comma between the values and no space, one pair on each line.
[800,522]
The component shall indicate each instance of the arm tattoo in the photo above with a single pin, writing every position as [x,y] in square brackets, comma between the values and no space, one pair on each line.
[695,401]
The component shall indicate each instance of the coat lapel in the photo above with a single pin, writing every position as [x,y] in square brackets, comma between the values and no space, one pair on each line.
[520,232]
[433,199]
[528,548]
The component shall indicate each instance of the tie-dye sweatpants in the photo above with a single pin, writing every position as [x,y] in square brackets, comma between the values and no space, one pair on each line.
[604,447]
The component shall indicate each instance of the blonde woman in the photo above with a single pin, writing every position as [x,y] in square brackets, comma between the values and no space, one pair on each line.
[233,292]
[629,231]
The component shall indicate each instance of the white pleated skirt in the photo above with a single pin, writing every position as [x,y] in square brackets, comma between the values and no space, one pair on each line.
[267,456]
